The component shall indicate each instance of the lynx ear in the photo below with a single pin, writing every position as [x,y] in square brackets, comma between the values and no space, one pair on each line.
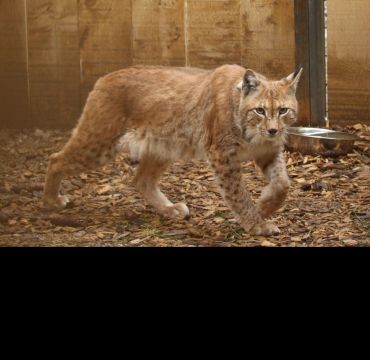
[293,79]
[249,83]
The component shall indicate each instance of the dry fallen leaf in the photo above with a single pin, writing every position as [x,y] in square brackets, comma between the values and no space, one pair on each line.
[106,189]
[218,220]
[3,217]
[65,221]
[364,173]
[137,241]
[350,243]
[267,243]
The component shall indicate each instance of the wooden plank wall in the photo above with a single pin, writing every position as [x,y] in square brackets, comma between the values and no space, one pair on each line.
[268,36]
[71,43]
[53,62]
[13,64]
[348,62]
[158,32]
[213,33]
[105,33]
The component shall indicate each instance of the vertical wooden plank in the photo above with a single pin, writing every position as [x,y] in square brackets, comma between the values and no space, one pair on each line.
[213,32]
[310,53]
[158,32]
[302,56]
[13,64]
[105,39]
[348,63]
[53,62]
[267,36]
[317,63]
[145,24]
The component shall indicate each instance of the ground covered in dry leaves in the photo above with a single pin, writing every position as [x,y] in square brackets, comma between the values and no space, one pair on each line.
[328,204]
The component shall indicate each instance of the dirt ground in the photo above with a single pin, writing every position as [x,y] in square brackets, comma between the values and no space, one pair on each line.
[328,204]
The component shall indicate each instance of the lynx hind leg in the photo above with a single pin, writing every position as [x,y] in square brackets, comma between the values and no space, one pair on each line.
[55,173]
[92,144]
[75,158]
[146,182]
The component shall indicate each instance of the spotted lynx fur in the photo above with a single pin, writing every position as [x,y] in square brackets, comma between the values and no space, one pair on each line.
[162,114]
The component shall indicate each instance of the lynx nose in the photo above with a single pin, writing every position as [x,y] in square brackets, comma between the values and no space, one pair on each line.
[273,131]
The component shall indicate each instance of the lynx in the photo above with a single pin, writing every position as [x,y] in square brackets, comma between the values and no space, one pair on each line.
[163,114]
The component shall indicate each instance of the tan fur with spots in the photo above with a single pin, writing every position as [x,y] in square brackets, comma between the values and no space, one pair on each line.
[162,114]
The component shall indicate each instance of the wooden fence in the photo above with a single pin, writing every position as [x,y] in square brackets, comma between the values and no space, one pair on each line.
[52,51]
[349,61]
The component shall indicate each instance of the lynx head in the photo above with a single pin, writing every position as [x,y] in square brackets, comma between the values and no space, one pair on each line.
[267,107]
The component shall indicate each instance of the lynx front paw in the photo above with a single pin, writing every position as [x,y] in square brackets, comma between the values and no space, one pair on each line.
[265,229]
[177,211]
[60,203]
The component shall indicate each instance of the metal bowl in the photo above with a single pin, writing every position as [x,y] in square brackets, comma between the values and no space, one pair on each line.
[315,141]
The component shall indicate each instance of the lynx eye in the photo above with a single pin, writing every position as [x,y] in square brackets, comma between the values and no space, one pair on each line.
[260,111]
[283,111]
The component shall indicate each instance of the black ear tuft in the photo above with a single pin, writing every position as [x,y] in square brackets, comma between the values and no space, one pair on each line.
[293,79]
[250,82]
[297,71]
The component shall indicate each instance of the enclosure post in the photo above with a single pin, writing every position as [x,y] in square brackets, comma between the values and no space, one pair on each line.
[310,53]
